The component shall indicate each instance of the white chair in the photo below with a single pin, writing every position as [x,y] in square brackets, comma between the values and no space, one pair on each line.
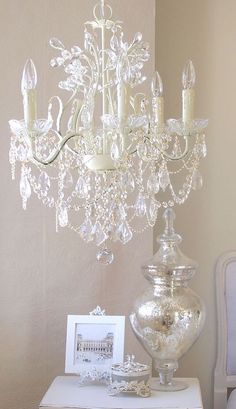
[225,370]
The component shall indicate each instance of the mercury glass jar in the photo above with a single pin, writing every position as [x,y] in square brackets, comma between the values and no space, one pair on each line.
[168,317]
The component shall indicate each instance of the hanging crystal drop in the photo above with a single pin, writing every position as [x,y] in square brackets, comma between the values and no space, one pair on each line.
[62,215]
[121,212]
[81,188]
[67,179]
[142,150]
[99,233]
[204,149]
[140,206]
[21,153]
[44,183]
[114,43]
[153,184]
[164,178]
[12,158]
[115,154]
[127,181]
[153,209]
[201,150]
[105,256]
[197,180]
[25,189]
[124,233]
[86,230]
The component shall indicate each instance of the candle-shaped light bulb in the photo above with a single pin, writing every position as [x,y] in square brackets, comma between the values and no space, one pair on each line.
[188,94]
[29,76]
[189,75]
[28,89]
[157,85]
[157,100]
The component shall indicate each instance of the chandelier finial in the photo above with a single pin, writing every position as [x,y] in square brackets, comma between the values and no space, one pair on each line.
[102,11]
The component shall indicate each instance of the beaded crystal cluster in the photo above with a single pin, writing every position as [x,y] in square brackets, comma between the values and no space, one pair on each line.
[107,153]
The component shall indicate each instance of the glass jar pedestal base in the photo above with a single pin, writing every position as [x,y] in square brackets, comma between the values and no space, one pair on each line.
[166,369]
[166,382]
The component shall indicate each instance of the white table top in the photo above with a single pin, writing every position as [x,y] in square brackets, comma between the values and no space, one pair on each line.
[65,392]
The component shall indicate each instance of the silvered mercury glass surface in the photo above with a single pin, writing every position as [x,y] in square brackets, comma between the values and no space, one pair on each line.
[169,316]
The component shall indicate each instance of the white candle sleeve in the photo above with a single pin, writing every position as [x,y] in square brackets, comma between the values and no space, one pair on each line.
[188,96]
[30,107]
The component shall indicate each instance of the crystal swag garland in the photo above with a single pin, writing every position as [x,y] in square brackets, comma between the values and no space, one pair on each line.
[111,166]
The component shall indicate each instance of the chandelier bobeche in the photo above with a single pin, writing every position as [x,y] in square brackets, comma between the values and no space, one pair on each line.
[108,153]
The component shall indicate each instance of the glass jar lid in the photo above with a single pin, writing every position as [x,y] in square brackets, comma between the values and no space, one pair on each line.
[169,263]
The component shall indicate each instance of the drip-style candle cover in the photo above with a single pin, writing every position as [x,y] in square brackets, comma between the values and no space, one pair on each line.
[157,100]
[29,76]
[188,80]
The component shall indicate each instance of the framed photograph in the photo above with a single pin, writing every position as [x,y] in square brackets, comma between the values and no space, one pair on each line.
[94,343]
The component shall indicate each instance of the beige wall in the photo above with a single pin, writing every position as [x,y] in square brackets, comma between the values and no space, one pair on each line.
[44,276]
[205,31]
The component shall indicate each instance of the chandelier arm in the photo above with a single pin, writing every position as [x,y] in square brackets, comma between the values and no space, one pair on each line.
[54,156]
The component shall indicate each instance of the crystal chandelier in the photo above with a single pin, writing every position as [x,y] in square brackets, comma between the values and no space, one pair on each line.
[107,153]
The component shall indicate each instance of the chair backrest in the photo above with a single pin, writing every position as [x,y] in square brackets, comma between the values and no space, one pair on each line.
[225,370]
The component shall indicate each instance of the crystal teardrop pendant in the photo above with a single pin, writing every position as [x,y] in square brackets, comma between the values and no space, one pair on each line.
[164,178]
[62,215]
[21,153]
[99,234]
[86,230]
[140,206]
[81,188]
[115,154]
[197,180]
[25,188]
[153,209]
[127,181]
[67,179]
[142,150]
[124,233]
[153,184]
[44,183]
[105,256]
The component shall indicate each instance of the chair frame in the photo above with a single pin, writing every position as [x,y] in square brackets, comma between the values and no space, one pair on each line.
[222,381]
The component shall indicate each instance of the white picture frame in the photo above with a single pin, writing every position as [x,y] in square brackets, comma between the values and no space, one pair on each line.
[94,343]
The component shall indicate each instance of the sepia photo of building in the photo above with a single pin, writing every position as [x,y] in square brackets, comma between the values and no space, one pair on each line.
[92,350]
[99,346]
